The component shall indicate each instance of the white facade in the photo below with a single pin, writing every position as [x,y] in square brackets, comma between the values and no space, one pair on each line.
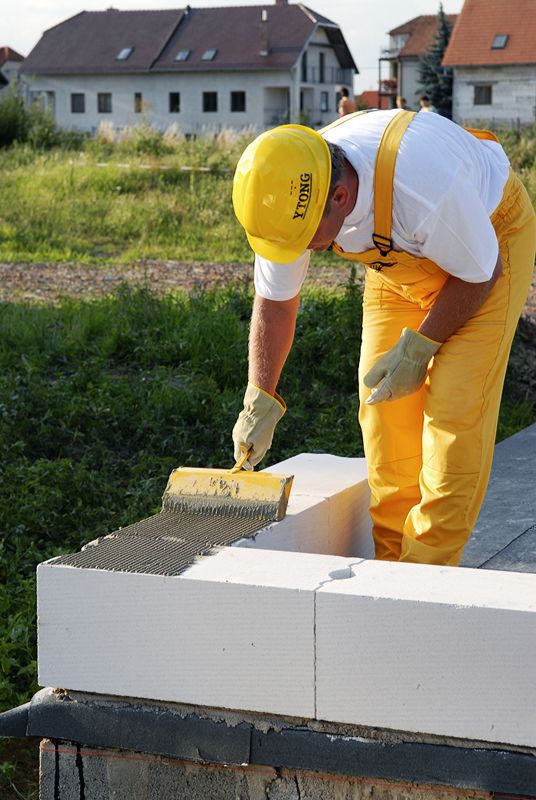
[306,93]
[409,85]
[496,95]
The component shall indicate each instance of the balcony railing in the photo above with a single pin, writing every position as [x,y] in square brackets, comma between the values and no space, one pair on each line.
[388,53]
[334,75]
[313,117]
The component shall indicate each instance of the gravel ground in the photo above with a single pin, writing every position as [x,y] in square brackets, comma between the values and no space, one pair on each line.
[34,282]
[49,282]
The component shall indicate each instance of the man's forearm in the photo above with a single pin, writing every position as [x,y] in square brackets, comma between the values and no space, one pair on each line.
[455,304]
[270,340]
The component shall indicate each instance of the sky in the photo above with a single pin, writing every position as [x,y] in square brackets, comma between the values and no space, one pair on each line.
[364,23]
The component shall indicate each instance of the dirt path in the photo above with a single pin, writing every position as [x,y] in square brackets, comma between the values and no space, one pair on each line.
[36,282]
[40,282]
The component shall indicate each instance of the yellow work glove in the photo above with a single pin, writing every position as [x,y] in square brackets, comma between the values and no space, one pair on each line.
[402,368]
[255,426]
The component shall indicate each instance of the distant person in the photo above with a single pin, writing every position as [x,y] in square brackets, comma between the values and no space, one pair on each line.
[346,103]
[401,103]
[425,103]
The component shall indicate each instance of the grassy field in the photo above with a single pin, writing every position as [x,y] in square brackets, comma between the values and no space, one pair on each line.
[100,400]
[63,207]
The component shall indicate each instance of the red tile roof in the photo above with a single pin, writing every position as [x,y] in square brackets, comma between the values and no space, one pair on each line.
[8,54]
[91,41]
[421,32]
[478,24]
[370,96]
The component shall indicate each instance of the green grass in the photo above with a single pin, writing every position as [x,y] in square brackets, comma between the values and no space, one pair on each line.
[63,207]
[99,401]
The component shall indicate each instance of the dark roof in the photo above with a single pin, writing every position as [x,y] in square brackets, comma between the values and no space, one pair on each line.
[91,41]
[8,54]
[480,21]
[420,32]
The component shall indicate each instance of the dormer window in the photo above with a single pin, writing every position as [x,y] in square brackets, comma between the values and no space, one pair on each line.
[182,55]
[124,53]
[499,43]
[208,55]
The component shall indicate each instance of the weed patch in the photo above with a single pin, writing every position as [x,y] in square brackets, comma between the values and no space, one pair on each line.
[99,401]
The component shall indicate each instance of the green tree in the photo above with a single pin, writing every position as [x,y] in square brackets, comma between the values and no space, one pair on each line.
[435,79]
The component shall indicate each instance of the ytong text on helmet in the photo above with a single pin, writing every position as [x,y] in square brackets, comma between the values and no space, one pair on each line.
[306,181]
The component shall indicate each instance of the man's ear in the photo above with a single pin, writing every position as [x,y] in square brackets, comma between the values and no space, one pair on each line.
[340,196]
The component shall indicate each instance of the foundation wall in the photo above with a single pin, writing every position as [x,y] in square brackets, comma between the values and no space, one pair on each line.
[72,772]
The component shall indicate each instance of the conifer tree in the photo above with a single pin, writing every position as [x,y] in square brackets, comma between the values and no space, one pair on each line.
[435,79]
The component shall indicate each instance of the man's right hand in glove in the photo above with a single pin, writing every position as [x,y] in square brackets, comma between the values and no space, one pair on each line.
[255,426]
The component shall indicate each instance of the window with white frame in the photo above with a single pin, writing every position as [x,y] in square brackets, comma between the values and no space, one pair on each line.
[78,103]
[238,101]
[104,102]
[322,67]
[210,101]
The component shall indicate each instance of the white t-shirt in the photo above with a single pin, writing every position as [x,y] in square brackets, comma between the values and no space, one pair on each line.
[447,184]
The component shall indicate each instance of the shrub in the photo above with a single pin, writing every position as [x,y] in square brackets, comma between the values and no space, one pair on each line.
[14,120]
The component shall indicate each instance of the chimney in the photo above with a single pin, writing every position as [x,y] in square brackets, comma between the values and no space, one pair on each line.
[265,45]
[281,2]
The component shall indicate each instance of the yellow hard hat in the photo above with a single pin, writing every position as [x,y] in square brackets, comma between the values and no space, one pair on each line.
[280,188]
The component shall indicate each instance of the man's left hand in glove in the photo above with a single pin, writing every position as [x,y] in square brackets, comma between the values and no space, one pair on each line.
[402,370]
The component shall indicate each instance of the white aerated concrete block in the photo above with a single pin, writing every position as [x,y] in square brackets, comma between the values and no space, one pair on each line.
[236,630]
[304,529]
[430,650]
[273,628]
[327,511]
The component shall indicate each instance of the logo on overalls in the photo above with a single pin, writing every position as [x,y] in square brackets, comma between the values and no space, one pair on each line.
[304,197]
[377,266]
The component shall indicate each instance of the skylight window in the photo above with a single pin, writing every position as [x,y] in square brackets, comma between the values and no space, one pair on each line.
[182,55]
[124,54]
[499,43]
[208,55]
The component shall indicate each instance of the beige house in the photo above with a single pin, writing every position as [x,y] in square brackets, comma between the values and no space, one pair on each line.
[234,67]
[492,50]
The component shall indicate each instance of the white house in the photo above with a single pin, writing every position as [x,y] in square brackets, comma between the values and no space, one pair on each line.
[10,61]
[493,52]
[401,59]
[235,67]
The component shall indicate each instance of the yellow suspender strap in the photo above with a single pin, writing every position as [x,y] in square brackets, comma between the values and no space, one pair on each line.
[384,173]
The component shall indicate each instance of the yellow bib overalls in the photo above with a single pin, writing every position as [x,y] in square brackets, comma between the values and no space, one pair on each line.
[429,455]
